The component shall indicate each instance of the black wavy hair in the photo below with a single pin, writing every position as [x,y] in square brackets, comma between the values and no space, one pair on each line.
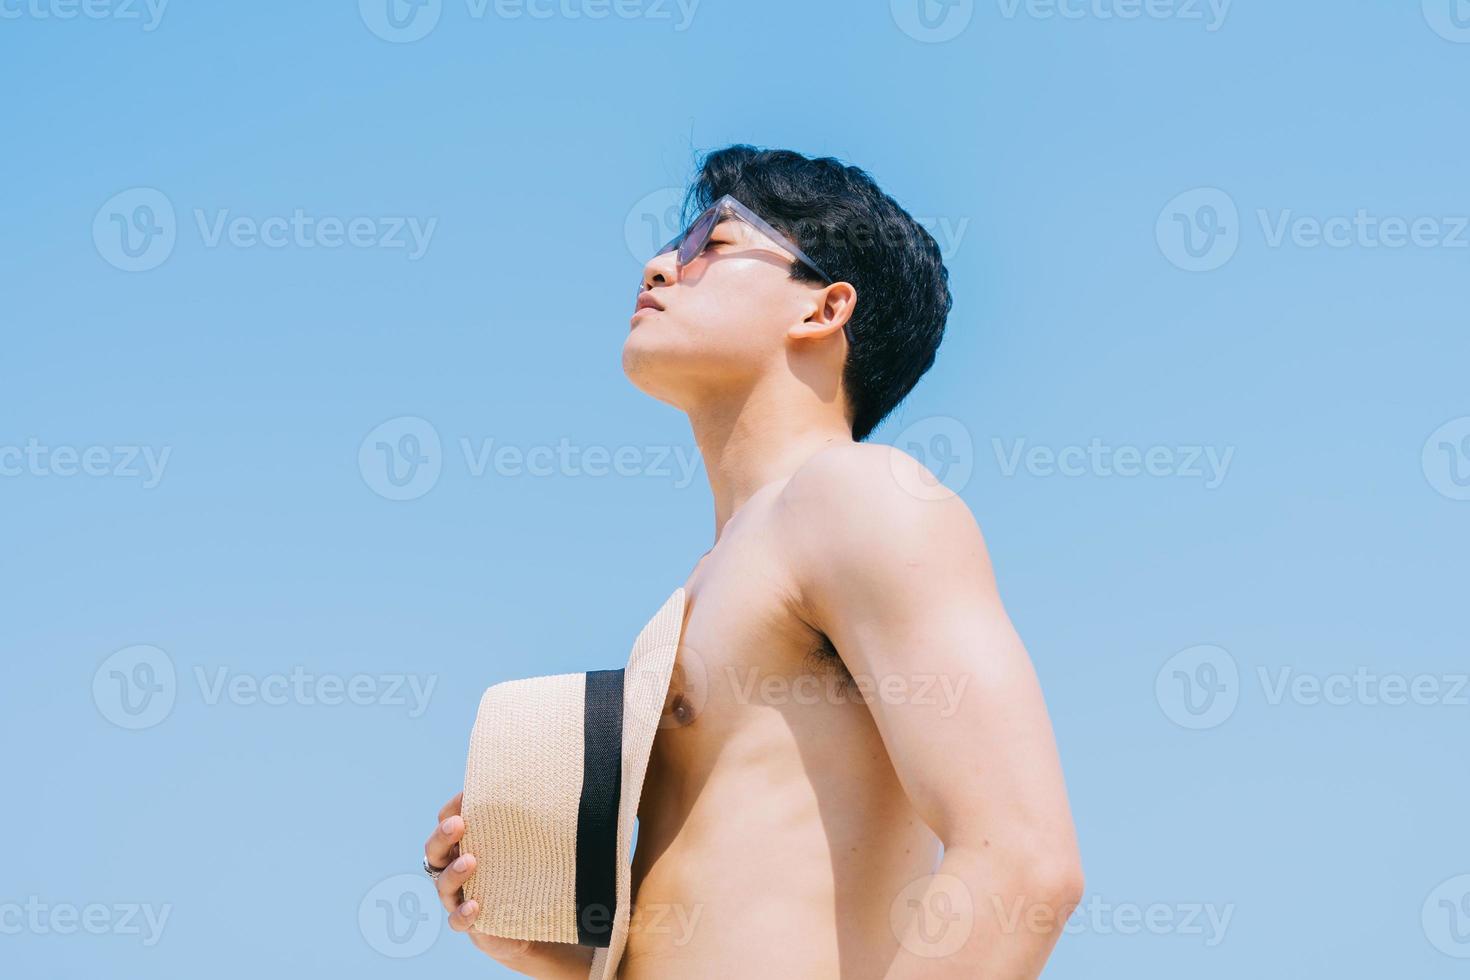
[858,234]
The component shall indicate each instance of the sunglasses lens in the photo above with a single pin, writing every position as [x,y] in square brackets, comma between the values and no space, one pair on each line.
[698,236]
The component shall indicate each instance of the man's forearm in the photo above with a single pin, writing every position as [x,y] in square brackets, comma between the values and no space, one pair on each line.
[987,916]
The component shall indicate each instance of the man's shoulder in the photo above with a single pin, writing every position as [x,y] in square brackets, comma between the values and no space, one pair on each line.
[868,496]
[864,528]
[865,476]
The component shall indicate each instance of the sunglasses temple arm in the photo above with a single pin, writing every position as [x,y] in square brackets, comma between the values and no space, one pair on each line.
[765,228]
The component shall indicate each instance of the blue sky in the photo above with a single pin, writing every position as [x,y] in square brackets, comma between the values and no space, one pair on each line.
[1204,388]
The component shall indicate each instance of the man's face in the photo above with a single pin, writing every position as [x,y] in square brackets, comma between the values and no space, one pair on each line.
[724,319]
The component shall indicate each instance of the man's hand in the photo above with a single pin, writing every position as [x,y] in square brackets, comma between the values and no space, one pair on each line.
[548,961]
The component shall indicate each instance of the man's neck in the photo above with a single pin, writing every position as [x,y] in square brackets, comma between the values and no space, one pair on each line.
[749,445]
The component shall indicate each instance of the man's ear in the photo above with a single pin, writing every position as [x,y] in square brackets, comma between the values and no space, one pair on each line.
[832,309]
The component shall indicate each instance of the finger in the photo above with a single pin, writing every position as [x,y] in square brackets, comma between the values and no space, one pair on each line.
[452,807]
[463,917]
[443,844]
[453,879]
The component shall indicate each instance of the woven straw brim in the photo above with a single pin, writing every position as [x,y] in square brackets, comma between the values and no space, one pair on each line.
[522,780]
[645,687]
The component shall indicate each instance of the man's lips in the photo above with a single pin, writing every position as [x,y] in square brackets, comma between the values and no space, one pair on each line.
[646,304]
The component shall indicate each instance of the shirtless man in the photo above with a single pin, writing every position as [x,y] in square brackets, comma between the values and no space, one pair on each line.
[849,693]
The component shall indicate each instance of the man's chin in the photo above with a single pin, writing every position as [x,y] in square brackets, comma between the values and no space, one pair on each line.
[651,369]
[640,363]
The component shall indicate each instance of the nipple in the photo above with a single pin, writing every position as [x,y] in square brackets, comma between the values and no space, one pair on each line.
[682,710]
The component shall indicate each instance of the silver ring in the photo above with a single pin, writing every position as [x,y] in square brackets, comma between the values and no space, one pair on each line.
[432,871]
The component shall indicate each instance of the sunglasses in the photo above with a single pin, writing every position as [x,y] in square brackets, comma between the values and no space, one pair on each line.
[694,240]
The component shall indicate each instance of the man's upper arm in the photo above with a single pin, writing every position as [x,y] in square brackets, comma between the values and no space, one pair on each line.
[901,583]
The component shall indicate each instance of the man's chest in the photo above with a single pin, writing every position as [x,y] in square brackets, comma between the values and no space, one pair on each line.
[746,652]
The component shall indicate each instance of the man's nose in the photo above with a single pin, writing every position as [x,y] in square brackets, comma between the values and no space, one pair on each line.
[661,270]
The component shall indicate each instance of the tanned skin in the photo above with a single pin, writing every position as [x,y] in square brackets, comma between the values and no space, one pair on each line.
[849,693]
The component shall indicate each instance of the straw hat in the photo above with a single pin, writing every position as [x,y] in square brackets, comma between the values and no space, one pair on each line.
[551,789]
